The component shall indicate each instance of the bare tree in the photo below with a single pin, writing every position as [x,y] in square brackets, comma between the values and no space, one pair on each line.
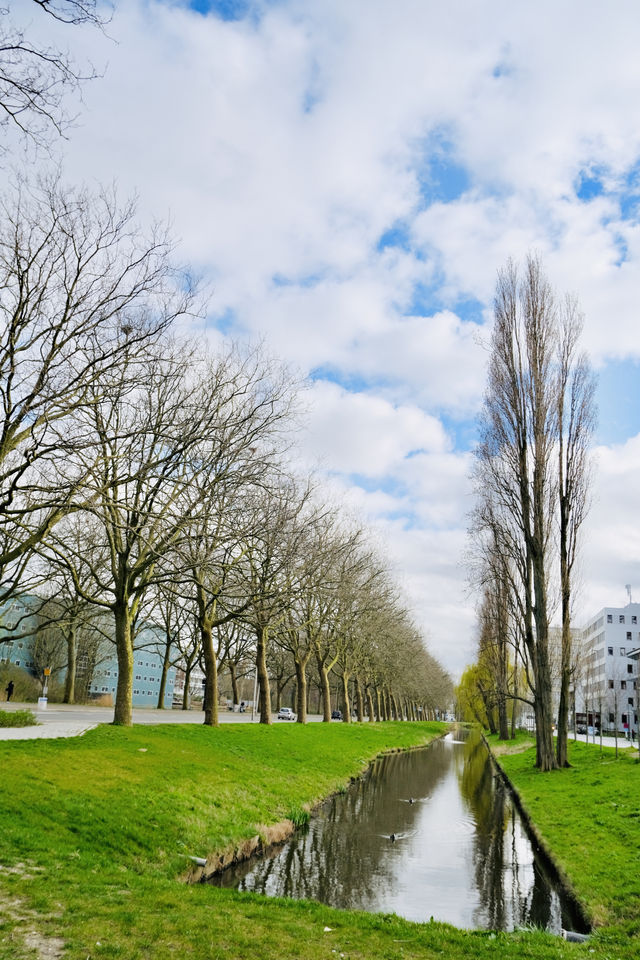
[35,76]
[252,399]
[516,474]
[276,539]
[575,391]
[155,435]
[81,291]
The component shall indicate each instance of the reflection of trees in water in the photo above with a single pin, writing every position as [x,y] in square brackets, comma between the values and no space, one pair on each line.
[512,893]
[345,857]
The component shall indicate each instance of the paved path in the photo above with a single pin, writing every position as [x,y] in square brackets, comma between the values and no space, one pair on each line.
[66,720]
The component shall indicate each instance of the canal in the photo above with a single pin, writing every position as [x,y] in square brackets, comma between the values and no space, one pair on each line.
[430,833]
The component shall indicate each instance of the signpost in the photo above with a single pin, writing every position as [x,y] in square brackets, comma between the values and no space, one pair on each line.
[42,701]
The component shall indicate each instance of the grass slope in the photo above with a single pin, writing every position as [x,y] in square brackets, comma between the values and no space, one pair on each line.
[589,816]
[95,831]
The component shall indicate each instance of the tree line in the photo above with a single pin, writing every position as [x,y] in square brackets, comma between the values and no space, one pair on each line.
[144,476]
[143,473]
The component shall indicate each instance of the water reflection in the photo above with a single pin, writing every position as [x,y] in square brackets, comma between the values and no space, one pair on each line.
[460,852]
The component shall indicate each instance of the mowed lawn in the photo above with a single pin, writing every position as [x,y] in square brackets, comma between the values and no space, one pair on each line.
[96,834]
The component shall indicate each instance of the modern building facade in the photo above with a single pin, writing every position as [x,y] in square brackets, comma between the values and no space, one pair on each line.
[606,684]
[97,665]
[147,673]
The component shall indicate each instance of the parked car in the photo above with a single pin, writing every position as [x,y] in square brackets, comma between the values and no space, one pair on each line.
[336,715]
[286,713]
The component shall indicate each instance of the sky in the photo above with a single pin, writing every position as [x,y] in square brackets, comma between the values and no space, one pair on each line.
[347,177]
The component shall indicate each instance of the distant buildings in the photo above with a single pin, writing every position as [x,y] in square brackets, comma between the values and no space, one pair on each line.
[605,688]
[33,650]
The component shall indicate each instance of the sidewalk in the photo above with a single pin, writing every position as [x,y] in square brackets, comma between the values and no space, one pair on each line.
[71,720]
[623,744]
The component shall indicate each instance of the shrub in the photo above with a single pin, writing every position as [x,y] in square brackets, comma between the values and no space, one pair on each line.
[17,718]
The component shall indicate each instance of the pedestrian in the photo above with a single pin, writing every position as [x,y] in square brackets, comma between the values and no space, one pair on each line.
[9,690]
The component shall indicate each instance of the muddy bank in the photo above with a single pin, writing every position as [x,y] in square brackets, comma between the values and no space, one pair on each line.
[236,853]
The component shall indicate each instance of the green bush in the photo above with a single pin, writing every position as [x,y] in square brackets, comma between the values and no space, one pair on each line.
[17,718]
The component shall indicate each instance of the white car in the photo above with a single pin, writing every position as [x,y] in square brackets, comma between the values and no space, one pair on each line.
[286,713]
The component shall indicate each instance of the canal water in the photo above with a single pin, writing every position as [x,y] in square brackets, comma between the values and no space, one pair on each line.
[431,833]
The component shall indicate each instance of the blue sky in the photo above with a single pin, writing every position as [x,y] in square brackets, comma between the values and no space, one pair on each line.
[348,177]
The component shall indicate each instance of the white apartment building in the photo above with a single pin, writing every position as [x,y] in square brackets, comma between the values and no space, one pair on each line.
[606,682]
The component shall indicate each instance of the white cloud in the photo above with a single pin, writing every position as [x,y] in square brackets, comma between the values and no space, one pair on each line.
[357,433]
[284,145]
[611,555]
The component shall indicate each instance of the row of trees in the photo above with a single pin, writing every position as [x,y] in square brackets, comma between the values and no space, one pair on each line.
[143,476]
[532,476]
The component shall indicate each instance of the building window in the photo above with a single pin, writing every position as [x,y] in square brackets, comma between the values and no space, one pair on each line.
[611,718]
[628,634]
[623,651]
[621,618]
[634,619]
[623,684]
[611,685]
[610,651]
[630,701]
[629,668]
[609,618]
[624,718]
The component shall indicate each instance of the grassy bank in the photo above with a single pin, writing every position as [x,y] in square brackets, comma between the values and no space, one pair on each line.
[589,816]
[96,831]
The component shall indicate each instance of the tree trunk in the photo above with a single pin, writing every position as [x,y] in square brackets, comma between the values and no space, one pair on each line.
[234,684]
[210,658]
[503,719]
[122,715]
[383,704]
[301,688]
[262,637]
[370,711]
[187,682]
[562,749]
[544,716]
[166,662]
[347,704]
[323,675]
[359,699]
[211,718]
[70,678]
[379,717]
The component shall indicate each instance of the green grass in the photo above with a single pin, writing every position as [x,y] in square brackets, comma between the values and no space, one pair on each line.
[522,741]
[17,718]
[95,833]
